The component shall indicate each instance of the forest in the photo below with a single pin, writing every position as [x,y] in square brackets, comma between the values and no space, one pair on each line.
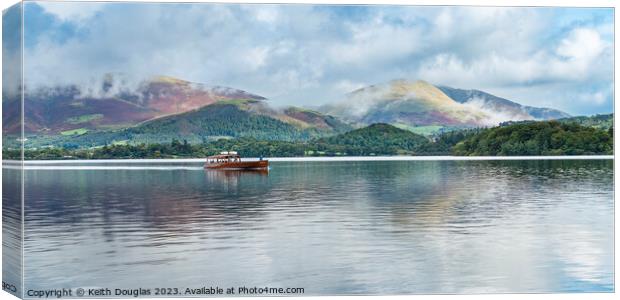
[521,138]
[537,138]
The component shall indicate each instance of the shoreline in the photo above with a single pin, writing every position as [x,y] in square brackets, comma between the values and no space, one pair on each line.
[305,159]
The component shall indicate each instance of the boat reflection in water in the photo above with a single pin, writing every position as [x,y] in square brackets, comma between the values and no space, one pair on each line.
[227,170]
[231,179]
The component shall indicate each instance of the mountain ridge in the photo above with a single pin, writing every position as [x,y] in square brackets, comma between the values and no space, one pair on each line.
[494,102]
[53,110]
[406,102]
[119,109]
[416,104]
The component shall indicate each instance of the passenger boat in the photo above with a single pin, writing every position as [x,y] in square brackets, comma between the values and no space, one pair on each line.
[230,160]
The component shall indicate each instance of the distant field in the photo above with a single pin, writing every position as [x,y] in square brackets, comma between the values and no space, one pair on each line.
[78,131]
[598,121]
[84,118]
[423,130]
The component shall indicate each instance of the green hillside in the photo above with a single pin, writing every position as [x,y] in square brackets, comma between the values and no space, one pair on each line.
[312,118]
[525,138]
[235,119]
[224,119]
[376,139]
[537,138]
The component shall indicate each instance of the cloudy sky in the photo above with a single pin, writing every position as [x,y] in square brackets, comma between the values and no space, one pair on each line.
[311,55]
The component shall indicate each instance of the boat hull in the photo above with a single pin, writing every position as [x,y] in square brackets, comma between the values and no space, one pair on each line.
[239,165]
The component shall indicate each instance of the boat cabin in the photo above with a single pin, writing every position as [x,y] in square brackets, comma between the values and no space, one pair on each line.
[223,157]
[232,160]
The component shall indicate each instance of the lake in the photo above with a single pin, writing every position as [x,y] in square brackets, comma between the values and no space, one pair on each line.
[330,227]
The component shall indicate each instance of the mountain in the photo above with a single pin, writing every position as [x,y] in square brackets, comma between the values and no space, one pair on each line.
[236,118]
[424,108]
[157,109]
[502,106]
[115,103]
[410,103]
[242,118]
[120,110]
[310,118]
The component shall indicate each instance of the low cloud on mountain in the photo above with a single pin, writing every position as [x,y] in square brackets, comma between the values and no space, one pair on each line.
[306,55]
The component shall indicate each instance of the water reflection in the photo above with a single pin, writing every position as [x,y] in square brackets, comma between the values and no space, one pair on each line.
[229,179]
[331,227]
[12,140]
[12,230]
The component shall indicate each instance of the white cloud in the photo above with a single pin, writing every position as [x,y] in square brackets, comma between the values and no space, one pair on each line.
[266,14]
[596,98]
[582,57]
[347,86]
[305,55]
[256,57]
[449,69]
[581,43]
[72,11]
[375,43]
[11,72]
[496,116]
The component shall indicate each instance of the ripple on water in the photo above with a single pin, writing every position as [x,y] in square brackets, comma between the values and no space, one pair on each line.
[343,228]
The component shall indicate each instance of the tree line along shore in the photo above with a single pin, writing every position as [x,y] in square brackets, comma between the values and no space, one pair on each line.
[508,139]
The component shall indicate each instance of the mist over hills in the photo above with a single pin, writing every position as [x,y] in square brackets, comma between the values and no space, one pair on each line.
[502,106]
[415,104]
[115,103]
[162,108]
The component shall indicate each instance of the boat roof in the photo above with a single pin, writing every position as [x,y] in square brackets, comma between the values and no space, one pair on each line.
[223,156]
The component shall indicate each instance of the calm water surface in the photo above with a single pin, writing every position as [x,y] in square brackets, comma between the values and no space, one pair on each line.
[390,227]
